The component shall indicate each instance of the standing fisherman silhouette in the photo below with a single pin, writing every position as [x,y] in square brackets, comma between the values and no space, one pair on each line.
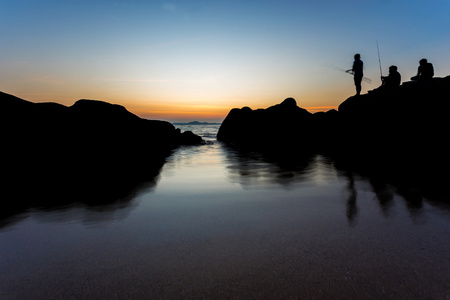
[357,71]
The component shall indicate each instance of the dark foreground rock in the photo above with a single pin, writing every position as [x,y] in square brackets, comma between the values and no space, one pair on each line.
[92,151]
[400,133]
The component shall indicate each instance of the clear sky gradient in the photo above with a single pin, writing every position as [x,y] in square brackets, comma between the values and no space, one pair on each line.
[195,60]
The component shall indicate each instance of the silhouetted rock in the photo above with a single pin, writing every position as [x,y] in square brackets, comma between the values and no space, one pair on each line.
[189,138]
[92,150]
[281,125]
[414,114]
[413,110]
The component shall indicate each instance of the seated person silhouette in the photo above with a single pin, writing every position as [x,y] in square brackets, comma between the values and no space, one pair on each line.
[425,71]
[393,79]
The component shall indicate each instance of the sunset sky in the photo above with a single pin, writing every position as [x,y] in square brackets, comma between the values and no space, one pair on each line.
[195,60]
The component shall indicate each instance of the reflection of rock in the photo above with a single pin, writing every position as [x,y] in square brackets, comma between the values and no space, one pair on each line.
[256,169]
[92,151]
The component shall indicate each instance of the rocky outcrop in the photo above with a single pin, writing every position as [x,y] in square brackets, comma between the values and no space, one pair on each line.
[282,125]
[405,128]
[409,119]
[416,111]
[92,150]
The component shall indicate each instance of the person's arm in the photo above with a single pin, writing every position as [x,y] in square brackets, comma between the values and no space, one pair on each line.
[352,70]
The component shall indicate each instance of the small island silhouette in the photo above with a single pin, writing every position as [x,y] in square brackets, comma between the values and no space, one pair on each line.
[196,123]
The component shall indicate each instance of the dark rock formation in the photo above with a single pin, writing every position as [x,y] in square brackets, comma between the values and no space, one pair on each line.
[410,118]
[92,151]
[401,131]
[189,138]
[412,112]
[280,126]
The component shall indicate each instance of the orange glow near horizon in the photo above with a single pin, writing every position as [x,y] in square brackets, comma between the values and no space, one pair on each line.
[205,110]
[182,112]
[181,115]
[212,114]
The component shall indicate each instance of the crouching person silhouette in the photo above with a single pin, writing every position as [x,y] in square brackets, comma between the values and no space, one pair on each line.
[393,79]
[425,71]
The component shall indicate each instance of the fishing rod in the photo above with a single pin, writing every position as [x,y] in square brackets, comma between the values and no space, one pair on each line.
[379,60]
[368,80]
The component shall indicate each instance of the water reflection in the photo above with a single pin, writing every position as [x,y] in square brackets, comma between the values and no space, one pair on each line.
[351,208]
[293,170]
[224,223]
[384,194]
[388,182]
[252,169]
[88,204]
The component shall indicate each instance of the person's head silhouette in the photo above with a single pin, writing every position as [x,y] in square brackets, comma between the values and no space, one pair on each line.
[392,69]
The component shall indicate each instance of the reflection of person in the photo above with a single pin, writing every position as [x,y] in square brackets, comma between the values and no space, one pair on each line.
[351,209]
[357,71]
[393,79]
[425,71]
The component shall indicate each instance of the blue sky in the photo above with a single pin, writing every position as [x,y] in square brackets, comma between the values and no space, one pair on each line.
[184,60]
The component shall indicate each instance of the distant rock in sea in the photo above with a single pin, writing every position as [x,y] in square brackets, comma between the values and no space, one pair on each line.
[196,123]
[92,151]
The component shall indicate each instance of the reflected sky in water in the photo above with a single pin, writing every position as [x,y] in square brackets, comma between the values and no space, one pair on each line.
[222,223]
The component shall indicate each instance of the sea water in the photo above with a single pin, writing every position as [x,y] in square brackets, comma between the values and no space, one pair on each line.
[221,223]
